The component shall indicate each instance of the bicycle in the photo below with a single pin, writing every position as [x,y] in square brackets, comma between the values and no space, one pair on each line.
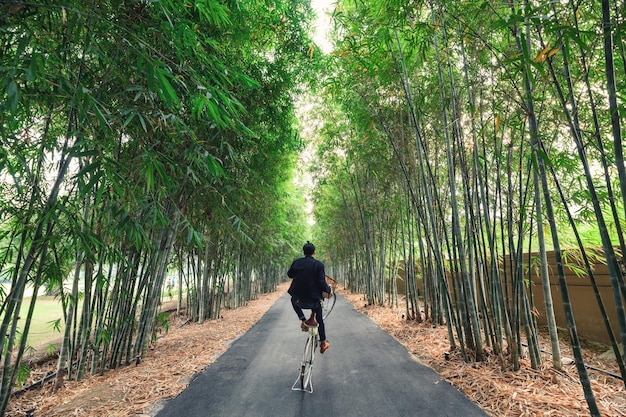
[303,381]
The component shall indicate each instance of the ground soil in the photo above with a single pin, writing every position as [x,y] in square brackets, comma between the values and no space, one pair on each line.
[187,348]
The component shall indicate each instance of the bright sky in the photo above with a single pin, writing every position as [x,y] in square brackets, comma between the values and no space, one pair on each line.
[305,108]
[323,9]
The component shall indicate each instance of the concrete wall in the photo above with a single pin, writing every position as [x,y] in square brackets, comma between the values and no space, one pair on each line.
[587,314]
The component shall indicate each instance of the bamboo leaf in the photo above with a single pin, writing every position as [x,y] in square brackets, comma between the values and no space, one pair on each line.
[542,154]
[166,91]
[310,51]
[148,175]
[543,55]
[143,122]
[247,81]
[214,167]
[91,185]
[130,112]
[213,12]
[99,113]
[13,96]
[553,52]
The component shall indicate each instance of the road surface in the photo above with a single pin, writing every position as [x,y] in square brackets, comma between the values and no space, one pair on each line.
[365,372]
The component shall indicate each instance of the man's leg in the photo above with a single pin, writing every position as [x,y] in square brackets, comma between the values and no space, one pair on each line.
[295,303]
[324,345]
[320,320]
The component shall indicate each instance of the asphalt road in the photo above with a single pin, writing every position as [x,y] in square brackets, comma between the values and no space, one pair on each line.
[365,372]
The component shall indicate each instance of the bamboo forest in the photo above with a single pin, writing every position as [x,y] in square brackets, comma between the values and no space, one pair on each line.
[435,143]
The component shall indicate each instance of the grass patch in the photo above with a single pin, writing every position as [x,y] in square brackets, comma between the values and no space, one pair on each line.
[47,310]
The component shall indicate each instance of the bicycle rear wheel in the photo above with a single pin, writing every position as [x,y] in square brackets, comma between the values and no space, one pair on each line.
[328,304]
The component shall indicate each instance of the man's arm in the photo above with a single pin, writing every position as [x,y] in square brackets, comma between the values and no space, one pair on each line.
[321,279]
[291,273]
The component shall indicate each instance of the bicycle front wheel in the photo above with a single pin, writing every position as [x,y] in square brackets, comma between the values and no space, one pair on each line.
[307,364]
[328,304]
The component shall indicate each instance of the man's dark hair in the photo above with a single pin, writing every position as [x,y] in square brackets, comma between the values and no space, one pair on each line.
[308,248]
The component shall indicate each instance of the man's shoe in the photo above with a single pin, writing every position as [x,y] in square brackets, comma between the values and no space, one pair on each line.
[303,326]
[324,346]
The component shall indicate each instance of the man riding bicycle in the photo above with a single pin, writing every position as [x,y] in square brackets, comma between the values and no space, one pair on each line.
[307,289]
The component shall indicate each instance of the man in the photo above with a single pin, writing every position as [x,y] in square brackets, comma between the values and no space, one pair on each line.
[307,289]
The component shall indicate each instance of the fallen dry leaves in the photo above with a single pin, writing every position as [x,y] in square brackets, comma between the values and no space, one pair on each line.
[137,391]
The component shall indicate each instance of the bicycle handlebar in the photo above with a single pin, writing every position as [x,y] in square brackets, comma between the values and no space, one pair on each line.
[332,283]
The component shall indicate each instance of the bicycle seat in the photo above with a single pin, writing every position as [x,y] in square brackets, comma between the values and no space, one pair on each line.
[311,322]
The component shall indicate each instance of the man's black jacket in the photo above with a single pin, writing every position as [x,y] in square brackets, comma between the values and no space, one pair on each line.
[309,279]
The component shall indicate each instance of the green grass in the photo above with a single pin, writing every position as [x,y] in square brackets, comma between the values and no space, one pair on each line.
[47,310]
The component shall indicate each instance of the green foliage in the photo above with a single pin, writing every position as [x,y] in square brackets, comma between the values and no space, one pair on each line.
[22,374]
[131,129]
[437,117]
[56,325]
[163,320]
[51,348]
